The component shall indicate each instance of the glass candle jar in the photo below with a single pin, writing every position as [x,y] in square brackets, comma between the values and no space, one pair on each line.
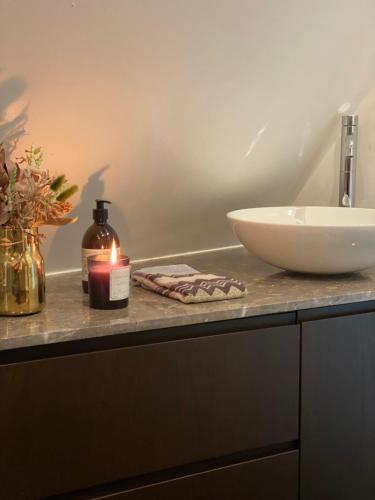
[108,281]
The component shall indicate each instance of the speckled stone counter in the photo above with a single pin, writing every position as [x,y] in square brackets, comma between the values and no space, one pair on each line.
[67,315]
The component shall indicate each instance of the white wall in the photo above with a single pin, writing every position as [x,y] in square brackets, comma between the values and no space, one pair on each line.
[180,110]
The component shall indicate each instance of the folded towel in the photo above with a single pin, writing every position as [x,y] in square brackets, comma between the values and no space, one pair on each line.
[189,287]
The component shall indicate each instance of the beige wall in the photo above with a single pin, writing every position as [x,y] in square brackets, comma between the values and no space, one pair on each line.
[180,110]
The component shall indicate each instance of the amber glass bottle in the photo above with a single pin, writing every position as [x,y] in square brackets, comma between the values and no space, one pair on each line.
[97,239]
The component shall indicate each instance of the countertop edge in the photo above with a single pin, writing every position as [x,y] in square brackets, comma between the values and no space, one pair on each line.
[244,311]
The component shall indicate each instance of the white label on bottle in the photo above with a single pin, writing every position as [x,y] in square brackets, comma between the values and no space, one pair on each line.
[87,252]
[119,283]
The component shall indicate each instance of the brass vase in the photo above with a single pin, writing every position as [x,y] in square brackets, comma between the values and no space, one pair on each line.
[22,277]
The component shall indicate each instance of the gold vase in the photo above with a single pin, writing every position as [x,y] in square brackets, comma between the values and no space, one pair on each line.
[22,277]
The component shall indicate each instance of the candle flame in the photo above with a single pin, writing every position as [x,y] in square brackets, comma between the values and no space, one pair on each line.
[113,253]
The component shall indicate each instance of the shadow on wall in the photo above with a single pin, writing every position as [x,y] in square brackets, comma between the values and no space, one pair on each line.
[13,112]
[69,238]
[293,175]
[329,140]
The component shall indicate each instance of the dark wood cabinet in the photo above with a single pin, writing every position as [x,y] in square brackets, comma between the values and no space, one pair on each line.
[278,407]
[338,408]
[271,478]
[273,408]
[72,422]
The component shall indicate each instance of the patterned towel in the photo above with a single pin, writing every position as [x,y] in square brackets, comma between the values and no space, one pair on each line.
[189,288]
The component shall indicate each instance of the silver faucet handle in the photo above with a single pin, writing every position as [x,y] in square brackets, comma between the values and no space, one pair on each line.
[349,120]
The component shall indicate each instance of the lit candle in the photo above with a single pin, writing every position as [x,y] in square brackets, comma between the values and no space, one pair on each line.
[108,280]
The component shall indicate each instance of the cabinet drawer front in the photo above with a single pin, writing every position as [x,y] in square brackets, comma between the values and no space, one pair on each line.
[338,408]
[75,421]
[272,478]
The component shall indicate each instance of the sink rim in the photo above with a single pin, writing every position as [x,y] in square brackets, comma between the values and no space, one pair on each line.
[234,216]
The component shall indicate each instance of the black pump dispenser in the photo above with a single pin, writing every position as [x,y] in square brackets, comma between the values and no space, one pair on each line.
[98,238]
[100,213]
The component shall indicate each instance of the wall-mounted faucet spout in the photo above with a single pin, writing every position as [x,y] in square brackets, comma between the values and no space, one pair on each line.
[348,162]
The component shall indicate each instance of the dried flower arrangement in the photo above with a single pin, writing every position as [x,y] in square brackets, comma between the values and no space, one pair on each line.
[29,196]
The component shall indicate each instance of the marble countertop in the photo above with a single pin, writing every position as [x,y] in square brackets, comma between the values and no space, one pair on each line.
[67,315]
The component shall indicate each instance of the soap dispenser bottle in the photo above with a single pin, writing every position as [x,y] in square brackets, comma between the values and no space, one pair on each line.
[97,239]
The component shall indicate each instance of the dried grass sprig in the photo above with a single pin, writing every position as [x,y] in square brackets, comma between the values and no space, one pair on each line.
[31,197]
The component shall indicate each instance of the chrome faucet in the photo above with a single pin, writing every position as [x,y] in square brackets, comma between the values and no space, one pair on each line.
[348,162]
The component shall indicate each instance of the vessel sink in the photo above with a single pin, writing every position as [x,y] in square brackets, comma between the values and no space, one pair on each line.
[319,240]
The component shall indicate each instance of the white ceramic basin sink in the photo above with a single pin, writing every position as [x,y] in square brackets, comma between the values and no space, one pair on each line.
[321,240]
